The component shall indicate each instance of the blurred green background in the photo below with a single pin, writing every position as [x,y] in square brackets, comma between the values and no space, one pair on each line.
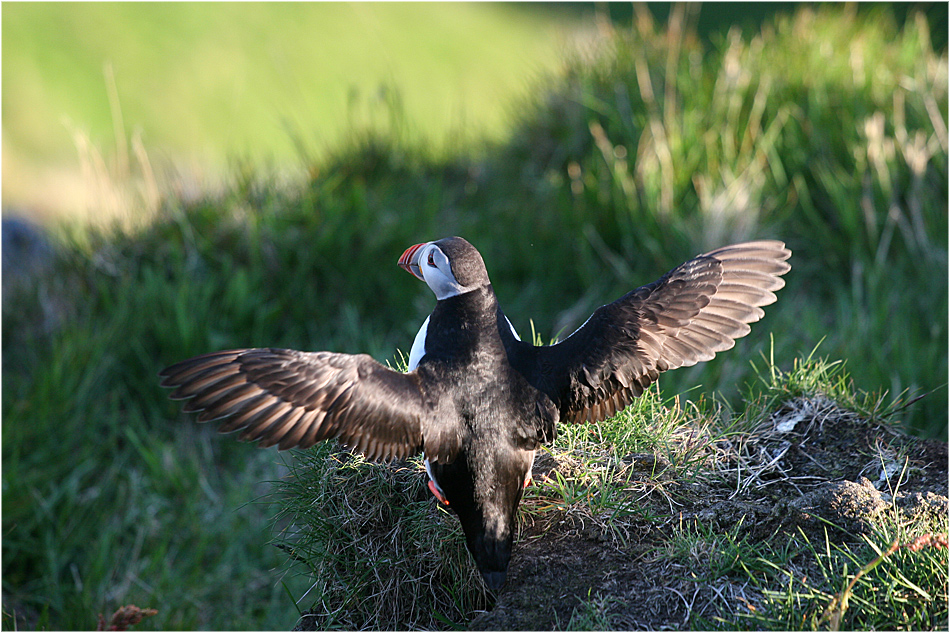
[209,83]
[206,84]
[222,175]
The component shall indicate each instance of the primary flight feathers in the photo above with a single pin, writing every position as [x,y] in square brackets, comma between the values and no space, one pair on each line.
[295,399]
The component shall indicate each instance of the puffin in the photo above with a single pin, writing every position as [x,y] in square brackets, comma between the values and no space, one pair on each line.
[476,400]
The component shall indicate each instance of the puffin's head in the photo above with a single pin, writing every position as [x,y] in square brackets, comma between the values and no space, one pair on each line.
[450,266]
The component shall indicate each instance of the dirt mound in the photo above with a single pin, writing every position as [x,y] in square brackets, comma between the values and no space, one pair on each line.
[809,468]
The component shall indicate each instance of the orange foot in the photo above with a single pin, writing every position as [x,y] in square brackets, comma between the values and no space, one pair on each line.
[438,494]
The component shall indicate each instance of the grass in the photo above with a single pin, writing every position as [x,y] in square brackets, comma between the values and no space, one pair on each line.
[592,615]
[897,564]
[753,141]
[111,496]
[377,553]
[799,583]
[892,582]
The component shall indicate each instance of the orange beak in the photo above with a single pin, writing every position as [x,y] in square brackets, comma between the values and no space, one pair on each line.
[409,260]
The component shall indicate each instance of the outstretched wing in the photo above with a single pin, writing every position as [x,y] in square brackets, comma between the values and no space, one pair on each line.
[696,310]
[291,398]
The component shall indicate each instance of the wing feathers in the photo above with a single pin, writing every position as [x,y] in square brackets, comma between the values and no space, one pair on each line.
[288,398]
[313,419]
[282,427]
[258,425]
[228,403]
[179,373]
[695,311]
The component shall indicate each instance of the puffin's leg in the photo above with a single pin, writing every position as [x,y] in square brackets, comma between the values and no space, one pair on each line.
[437,493]
[529,477]
[433,486]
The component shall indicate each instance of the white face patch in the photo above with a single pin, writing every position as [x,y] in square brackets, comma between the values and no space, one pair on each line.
[437,272]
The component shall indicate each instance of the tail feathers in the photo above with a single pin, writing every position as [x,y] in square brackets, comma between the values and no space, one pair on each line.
[492,556]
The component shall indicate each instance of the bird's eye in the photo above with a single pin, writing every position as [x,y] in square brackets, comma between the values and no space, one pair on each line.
[431,260]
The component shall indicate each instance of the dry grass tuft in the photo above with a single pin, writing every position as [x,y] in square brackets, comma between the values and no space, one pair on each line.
[379,550]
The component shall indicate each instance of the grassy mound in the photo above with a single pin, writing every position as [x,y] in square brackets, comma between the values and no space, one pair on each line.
[667,515]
